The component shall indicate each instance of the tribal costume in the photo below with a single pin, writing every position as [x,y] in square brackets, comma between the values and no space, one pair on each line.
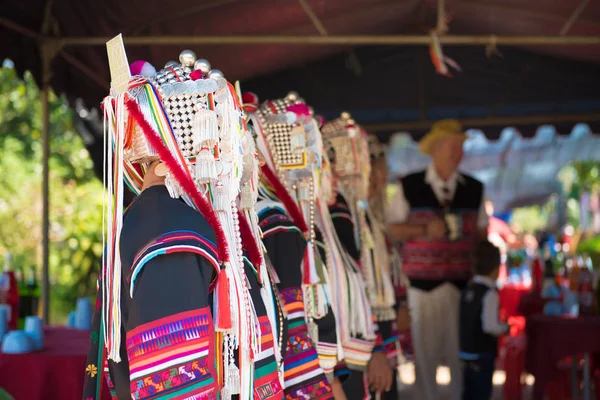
[362,239]
[176,318]
[284,235]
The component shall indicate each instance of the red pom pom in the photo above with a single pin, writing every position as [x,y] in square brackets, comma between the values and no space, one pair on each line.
[249,98]
[196,74]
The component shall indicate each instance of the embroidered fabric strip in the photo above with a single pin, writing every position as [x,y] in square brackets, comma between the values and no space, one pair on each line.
[173,242]
[109,382]
[327,356]
[442,259]
[266,378]
[173,357]
[276,223]
[303,375]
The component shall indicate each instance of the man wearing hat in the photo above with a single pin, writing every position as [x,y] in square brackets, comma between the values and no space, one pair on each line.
[439,214]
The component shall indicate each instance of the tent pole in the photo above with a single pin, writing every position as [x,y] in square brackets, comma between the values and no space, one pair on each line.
[45,183]
[374,40]
[481,122]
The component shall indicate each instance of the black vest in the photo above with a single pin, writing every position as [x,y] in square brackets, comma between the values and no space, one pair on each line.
[472,337]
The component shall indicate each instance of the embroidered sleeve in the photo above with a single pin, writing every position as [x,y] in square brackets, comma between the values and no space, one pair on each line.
[170,338]
[303,375]
[169,243]
[285,246]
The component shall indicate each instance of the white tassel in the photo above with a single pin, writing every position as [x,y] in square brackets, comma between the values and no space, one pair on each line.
[205,129]
[220,197]
[173,187]
[205,169]
[247,200]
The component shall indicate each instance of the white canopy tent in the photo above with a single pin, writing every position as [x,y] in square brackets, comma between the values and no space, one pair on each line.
[516,171]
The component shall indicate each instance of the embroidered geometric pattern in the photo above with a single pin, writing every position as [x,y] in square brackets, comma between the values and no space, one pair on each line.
[172,358]
[302,373]
[266,376]
[440,259]
[109,383]
[173,242]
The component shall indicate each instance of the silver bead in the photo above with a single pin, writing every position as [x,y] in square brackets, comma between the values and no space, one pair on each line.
[346,115]
[203,65]
[171,64]
[292,96]
[187,58]
[215,74]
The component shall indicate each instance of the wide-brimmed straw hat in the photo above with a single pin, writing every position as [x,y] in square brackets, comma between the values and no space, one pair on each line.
[441,129]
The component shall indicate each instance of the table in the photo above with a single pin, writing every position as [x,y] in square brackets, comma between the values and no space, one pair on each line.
[551,339]
[55,373]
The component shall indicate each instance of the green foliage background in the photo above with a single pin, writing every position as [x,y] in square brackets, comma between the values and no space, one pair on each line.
[75,193]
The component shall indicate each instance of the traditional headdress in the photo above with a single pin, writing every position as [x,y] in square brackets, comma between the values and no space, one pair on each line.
[348,145]
[188,117]
[289,138]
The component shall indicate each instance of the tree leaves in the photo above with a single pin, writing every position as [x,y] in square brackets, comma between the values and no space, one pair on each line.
[75,192]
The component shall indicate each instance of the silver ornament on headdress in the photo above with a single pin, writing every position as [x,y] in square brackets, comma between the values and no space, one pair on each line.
[203,65]
[187,58]
[215,74]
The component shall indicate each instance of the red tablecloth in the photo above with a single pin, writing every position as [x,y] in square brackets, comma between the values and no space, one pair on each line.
[550,339]
[55,373]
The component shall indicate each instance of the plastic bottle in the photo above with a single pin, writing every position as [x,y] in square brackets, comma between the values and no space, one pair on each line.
[9,292]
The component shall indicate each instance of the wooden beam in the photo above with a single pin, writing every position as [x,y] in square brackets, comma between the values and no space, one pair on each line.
[355,40]
[13,26]
[482,122]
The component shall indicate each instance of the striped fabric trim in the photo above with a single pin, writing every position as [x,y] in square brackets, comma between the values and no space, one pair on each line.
[347,216]
[277,222]
[264,206]
[266,377]
[109,382]
[278,229]
[173,357]
[327,356]
[391,347]
[169,243]
[303,375]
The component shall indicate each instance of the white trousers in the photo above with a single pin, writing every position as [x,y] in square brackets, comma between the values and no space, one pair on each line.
[435,334]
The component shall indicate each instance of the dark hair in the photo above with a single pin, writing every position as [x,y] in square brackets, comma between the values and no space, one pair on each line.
[487,258]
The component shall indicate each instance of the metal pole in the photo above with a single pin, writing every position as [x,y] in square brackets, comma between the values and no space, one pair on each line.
[45,186]
[481,122]
[374,40]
